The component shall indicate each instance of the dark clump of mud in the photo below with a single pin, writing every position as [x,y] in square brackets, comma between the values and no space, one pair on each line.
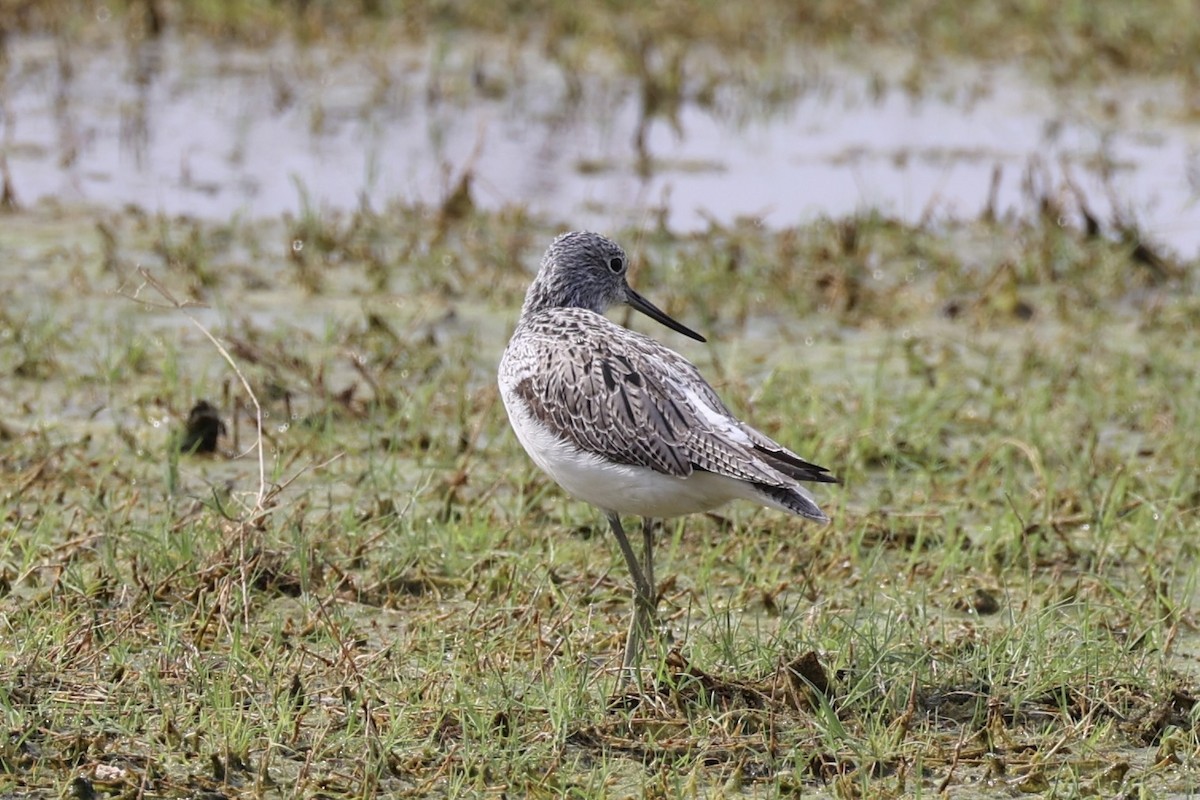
[203,428]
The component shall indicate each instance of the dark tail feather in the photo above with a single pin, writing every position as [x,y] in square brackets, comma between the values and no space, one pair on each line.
[794,500]
[795,467]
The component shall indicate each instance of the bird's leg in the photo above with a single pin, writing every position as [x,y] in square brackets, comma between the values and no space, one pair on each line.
[643,602]
[648,564]
[651,620]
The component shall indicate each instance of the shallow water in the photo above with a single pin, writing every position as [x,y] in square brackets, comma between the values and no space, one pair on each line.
[186,127]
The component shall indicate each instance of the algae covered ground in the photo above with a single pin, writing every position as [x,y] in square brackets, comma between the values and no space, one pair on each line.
[393,601]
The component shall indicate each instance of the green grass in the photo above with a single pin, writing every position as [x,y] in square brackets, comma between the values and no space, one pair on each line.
[1005,600]
[670,45]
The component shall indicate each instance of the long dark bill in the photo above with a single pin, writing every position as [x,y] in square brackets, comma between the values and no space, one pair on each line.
[653,312]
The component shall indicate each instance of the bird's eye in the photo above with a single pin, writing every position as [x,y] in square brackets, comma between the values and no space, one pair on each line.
[616,265]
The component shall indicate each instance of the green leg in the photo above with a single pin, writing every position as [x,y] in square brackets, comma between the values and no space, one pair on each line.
[643,597]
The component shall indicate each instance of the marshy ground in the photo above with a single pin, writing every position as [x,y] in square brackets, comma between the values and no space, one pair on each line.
[1005,601]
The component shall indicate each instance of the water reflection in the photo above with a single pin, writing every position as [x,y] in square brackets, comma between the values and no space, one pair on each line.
[186,127]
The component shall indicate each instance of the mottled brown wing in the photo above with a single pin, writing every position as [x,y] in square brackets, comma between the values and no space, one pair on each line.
[776,455]
[622,396]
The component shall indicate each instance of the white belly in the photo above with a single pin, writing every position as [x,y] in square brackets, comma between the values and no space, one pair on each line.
[618,487]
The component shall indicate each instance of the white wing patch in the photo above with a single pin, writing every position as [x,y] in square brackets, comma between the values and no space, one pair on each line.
[716,418]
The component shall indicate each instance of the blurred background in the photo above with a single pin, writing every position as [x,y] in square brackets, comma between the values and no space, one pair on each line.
[619,114]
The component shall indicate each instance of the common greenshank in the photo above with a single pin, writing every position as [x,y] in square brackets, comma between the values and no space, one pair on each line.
[626,424]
